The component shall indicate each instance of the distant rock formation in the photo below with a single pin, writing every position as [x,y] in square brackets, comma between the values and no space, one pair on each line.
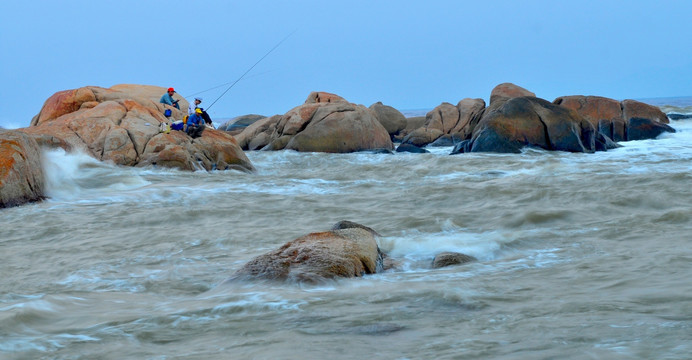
[516,118]
[21,173]
[239,123]
[347,250]
[614,118]
[121,124]
[324,123]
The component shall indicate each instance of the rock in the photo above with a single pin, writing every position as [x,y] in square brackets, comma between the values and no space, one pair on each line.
[21,173]
[239,123]
[392,119]
[317,97]
[676,116]
[507,91]
[411,149]
[412,124]
[324,123]
[422,137]
[447,119]
[461,147]
[348,250]
[633,108]
[644,128]
[121,125]
[450,258]
[612,118]
[517,122]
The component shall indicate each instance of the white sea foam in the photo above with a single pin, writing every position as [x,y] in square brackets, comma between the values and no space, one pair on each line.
[73,176]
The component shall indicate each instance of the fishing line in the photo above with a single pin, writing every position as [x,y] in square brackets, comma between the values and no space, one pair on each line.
[251,67]
[224,84]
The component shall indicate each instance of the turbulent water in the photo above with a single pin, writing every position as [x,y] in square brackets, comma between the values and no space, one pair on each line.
[580,256]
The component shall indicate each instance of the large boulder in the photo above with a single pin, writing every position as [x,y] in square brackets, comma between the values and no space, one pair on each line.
[122,125]
[613,118]
[392,119]
[506,91]
[324,123]
[21,173]
[347,250]
[514,123]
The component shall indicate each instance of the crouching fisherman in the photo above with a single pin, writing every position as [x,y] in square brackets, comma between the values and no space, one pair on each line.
[195,124]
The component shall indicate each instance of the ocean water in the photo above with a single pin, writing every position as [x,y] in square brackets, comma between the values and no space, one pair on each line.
[580,256]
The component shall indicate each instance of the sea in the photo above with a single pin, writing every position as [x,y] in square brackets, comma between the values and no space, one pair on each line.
[579,256]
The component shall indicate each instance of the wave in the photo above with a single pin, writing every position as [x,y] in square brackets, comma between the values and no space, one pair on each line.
[75,176]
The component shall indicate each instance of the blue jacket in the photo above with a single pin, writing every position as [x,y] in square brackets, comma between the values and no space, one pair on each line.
[167,99]
[195,119]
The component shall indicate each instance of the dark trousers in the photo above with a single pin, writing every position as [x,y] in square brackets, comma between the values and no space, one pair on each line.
[195,131]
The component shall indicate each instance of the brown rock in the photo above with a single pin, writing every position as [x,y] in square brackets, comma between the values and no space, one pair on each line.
[528,121]
[323,97]
[21,173]
[392,119]
[325,123]
[450,258]
[636,109]
[350,251]
[612,118]
[121,124]
[507,91]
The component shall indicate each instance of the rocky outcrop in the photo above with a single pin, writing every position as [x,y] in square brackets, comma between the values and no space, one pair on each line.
[21,173]
[613,118]
[121,125]
[506,91]
[324,123]
[392,119]
[445,259]
[454,122]
[347,250]
[511,124]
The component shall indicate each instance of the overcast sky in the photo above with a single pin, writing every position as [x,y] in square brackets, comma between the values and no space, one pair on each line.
[407,54]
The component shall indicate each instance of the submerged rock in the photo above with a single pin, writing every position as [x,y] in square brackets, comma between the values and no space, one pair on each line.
[121,125]
[21,173]
[348,250]
[445,259]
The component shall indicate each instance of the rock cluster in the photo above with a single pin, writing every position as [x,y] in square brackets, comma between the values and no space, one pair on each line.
[122,125]
[324,123]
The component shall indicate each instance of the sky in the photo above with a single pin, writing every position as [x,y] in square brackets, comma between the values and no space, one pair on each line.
[407,54]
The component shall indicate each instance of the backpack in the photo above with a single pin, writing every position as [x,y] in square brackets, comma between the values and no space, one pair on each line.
[168,113]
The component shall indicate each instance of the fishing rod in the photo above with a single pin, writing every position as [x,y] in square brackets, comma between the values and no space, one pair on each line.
[250,69]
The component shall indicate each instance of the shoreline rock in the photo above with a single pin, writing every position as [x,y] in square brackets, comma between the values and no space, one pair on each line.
[121,125]
[21,171]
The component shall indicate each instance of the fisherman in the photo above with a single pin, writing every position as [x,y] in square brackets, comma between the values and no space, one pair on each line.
[195,105]
[195,124]
[167,98]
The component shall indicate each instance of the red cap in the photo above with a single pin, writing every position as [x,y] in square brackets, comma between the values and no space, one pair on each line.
[171,89]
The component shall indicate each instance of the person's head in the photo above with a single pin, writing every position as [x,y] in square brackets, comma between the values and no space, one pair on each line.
[198,111]
[171,91]
[198,100]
